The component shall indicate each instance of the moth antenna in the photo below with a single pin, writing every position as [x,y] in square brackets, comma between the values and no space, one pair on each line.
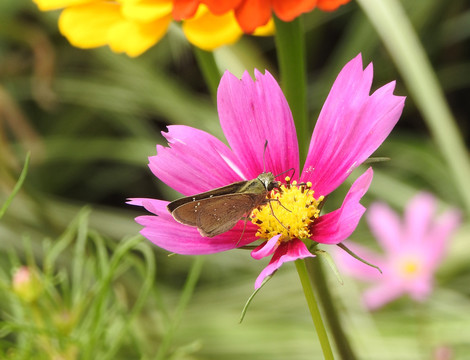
[293,172]
[264,155]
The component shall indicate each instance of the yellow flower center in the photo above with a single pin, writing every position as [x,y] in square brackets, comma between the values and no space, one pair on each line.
[409,268]
[290,211]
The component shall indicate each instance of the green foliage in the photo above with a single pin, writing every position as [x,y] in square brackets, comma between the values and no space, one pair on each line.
[83,308]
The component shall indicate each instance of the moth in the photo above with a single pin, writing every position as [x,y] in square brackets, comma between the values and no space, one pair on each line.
[217,211]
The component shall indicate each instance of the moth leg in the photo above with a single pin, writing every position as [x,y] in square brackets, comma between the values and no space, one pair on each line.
[280,203]
[243,232]
[273,214]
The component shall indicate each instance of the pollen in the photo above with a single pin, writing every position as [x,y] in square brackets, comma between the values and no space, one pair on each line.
[290,211]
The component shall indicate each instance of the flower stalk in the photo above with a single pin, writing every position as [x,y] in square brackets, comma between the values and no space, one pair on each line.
[209,69]
[290,48]
[314,310]
[317,276]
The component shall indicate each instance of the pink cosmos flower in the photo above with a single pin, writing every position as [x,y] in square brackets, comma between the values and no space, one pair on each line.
[413,249]
[351,126]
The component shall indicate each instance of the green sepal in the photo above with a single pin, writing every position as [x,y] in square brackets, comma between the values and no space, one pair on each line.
[349,251]
[376,159]
[248,302]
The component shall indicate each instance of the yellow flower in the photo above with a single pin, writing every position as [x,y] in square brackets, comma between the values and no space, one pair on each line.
[134,26]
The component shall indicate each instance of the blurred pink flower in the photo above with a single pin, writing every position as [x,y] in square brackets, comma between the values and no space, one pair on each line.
[351,126]
[413,249]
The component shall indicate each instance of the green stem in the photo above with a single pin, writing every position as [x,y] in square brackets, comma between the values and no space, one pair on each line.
[290,46]
[314,311]
[209,69]
[391,22]
[316,273]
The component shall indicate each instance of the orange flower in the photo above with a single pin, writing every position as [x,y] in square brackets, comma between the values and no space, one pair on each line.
[134,26]
[251,14]
[330,5]
[185,9]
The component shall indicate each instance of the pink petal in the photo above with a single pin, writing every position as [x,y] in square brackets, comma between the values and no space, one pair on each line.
[195,161]
[386,226]
[338,225]
[382,294]
[440,233]
[355,268]
[421,288]
[170,235]
[252,112]
[267,248]
[287,251]
[419,214]
[351,126]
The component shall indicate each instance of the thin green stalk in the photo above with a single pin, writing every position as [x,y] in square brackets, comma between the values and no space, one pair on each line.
[391,22]
[209,69]
[313,307]
[17,187]
[188,289]
[317,275]
[290,46]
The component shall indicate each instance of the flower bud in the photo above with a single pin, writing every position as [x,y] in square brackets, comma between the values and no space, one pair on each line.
[26,284]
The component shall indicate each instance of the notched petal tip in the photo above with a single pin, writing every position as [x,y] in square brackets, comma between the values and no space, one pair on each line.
[252,112]
[134,201]
[228,76]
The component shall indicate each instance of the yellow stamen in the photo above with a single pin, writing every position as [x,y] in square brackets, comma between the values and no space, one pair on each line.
[290,212]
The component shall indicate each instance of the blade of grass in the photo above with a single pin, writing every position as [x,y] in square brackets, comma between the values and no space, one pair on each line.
[17,186]
[188,289]
[398,35]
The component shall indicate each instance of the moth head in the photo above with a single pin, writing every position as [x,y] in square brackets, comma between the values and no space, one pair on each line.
[267,179]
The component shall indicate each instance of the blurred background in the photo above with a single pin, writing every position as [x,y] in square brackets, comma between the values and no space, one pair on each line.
[91,118]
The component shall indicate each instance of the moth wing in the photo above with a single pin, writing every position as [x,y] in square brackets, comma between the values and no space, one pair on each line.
[220,214]
[201,213]
[187,213]
[227,189]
